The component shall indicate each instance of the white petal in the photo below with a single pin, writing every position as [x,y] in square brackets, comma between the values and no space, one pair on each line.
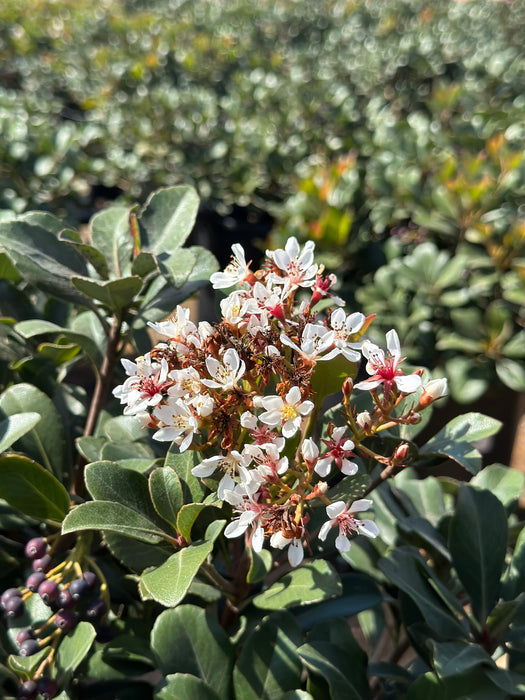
[349,468]
[368,528]
[323,466]
[408,383]
[325,529]
[235,529]
[335,509]
[295,553]
[359,505]
[392,343]
[258,539]
[342,543]
[293,396]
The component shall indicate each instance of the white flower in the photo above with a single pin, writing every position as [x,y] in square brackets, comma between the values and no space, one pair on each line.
[251,515]
[339,449]
[145,385]
[236,272]
[294,544]
[233,308]
[384,369]
[288,413]
[344,518]
[179,424]
[309,450]
[315,339]
[227,374]
[228,464]
[345,326]
[180,329]
[432,391]
[298,266]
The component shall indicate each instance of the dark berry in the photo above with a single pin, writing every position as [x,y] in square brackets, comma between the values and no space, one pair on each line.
[28,648]
[65,620]
[36,548]
[34,580]
[91,579]
[104,633]
[48,591]
[78,588]
[24,635]
[28,690]
[14,607]
[10,593]
[44,564]
[47,688]
[65,599]
[96,608]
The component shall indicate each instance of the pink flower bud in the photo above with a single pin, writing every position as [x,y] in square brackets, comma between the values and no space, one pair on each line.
[401,453]
[364,420]
[433,390]
[348,387]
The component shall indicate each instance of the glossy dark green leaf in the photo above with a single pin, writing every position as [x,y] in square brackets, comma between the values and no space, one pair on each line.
[16,426]
[268,665]
[111,236]
[166,493]
[73,649]
[505,483]
[183,686]
[456,438]
[451,658]
[328,652]
[109,515]
[192,488]
[91,255]
[478,544]
[114,294]
[167,219]
[314,581]
[43,260]
[186,639]
[45,442]
[170,582]
[402,570]
[134,554]
[31,489]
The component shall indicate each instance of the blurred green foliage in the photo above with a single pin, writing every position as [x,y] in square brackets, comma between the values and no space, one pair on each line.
[239,98]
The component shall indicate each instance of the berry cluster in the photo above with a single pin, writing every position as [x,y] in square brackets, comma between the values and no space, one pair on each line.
[70,593]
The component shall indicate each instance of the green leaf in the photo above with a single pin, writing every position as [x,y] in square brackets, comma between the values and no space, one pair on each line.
[514,582]
[478,543]
[456,438]
[30,329]
[134,554]
[31,489]
[90,254]
[456,657]
[170,582]
[511,373]
[192,488]
[16,426]
[178,267]
[268,665]
[327,653]
[45,442]
[260,565]
[166,493]
[28,664]
[114,294]
[328,377]
[505,483]
[111,236]
[182,686]
[349,489]
[186,517]
[167,219]
[108,515]
[43,260]
[187,639]
[402,570]
[124,429]
[144,264]
[72,650]
[314,581]
[108,481]
[359,593]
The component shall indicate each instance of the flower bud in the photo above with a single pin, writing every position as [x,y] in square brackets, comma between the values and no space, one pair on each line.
[348,387]
[364,420]
[433,390]
[400,453]
[310,451]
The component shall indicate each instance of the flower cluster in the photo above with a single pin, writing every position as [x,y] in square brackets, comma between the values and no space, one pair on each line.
[245,394]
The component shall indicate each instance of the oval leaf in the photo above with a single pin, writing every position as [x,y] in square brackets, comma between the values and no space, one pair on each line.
[31,489]
[314,581]
[14,427]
